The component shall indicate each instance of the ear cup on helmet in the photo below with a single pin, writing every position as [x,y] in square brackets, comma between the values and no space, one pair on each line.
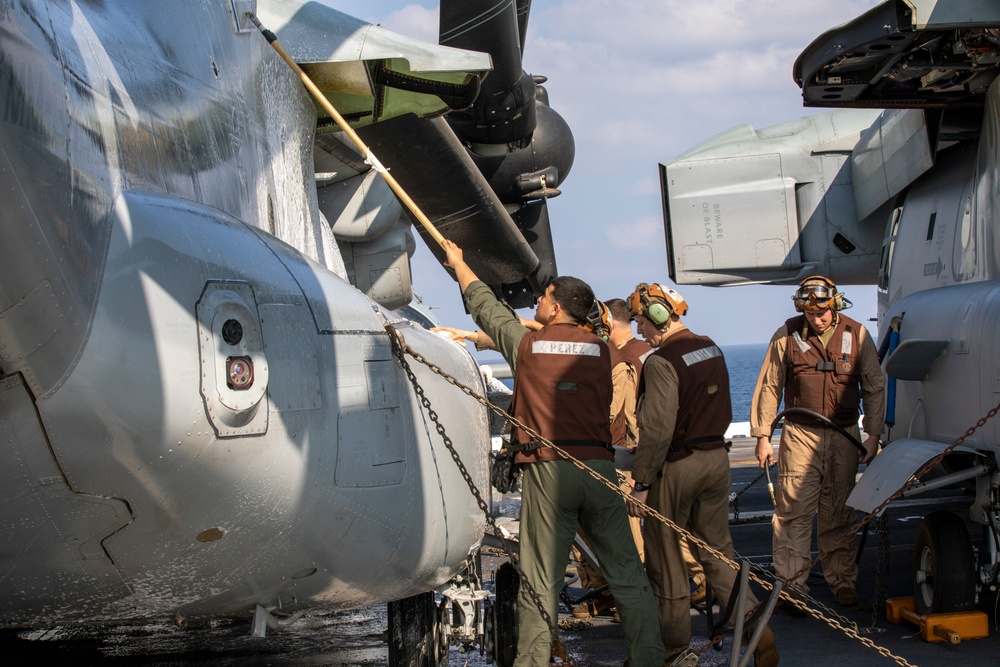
[658,313]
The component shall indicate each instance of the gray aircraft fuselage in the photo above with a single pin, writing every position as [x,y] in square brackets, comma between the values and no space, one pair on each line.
[161,234]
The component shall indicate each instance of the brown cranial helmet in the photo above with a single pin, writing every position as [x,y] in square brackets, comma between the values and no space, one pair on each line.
[656,303]
[819,293]
[599,321]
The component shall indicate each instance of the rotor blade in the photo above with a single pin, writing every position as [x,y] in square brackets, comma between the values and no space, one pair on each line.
[431,164]
[533,221]
[504,112]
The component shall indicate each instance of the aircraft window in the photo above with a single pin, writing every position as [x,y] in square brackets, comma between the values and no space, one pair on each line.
[966,224]
[930,226]
[888,246]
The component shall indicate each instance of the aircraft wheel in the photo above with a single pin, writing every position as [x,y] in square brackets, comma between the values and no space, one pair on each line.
[504,613]
[414,632]
[944,565]
[443,631]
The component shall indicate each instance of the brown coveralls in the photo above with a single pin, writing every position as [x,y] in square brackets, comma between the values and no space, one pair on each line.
[817,465]
[684,395]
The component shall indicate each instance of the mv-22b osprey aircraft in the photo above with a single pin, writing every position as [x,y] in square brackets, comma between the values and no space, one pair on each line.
[201,412]
[906,198]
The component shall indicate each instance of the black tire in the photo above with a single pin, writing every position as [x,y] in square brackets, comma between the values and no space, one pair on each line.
[414,632]
[944,565]
[505,616]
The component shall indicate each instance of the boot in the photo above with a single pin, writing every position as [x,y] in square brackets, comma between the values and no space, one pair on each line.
[585,610]
[686,658]
[765,654]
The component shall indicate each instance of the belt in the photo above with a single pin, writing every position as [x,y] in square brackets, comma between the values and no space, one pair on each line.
[535,444]
[684,444]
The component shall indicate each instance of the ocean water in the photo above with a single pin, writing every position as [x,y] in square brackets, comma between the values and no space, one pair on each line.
[743,362]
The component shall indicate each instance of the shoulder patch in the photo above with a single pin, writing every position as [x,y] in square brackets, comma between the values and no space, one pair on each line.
[704,354]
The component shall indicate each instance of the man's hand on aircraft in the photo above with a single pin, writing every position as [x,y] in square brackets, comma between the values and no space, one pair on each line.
[871,449]
[764,451]
[457,335]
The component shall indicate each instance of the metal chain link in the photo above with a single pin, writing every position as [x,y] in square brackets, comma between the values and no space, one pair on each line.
[400,347]
[838,622]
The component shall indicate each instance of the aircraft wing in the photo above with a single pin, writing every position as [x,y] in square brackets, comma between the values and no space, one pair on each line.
[917,54]
[368,72]
[481,175]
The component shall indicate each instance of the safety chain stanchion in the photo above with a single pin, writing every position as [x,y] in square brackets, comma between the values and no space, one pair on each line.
[843,625]
[399,348]
[881,569]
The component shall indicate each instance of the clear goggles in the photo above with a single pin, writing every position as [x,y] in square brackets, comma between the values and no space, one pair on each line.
[814,297]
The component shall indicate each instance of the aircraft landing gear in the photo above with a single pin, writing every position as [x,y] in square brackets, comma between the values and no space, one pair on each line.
[944,565]
[421,633]
[414,632]
[502,617]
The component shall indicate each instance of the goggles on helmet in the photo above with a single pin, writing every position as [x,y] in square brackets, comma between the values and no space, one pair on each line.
[815,297]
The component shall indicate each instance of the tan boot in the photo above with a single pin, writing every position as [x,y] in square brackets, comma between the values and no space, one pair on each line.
[765,654]
[584,610]
[699,593]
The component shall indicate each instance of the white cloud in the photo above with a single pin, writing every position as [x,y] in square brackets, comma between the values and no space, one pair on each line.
[414,21]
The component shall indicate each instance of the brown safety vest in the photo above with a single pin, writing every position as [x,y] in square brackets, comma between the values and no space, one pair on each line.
[631,352]
[825,380]
[562,390]
[635,350]
[702,417]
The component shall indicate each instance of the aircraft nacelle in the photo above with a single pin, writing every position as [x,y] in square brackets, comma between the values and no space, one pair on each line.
[771,205]
[199,413]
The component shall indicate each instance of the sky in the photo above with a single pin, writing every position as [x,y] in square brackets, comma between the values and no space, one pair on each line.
[640,82]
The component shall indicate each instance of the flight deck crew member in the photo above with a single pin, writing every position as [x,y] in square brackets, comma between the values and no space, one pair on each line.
[626,363]
[635,350]
[562,389]
[682,466]
[826,362]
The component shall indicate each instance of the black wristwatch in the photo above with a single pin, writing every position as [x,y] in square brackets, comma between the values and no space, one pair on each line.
[639,486]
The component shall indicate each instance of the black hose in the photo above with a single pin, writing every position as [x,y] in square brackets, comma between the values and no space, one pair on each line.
[820,418]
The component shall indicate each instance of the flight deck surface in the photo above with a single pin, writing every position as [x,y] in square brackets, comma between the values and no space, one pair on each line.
[355,637]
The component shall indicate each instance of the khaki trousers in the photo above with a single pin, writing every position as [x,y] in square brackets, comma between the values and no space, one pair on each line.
[556,496]
[817,468]
[694,494]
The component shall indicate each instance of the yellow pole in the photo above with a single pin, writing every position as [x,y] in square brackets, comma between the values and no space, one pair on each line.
[369,156]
